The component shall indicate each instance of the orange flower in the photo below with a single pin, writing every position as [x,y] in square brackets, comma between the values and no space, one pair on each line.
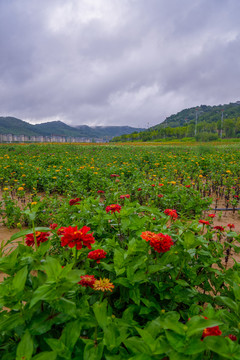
[103,285]
[148,235]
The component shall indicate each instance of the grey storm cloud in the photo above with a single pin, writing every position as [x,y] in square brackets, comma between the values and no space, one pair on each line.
[116,62]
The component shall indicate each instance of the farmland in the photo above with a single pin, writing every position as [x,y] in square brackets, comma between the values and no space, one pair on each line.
[122,251]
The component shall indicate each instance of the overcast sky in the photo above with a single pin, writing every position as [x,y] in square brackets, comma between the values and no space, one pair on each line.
[116,62]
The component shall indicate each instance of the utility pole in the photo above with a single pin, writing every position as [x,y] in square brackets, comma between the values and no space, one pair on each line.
[196,121]
[221,124]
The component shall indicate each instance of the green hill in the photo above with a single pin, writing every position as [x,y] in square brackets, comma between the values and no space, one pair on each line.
[202,122]
[11,125]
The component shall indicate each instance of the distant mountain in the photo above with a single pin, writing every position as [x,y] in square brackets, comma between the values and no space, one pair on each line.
[11,125]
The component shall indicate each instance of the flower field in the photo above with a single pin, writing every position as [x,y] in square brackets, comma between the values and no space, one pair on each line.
[118,253]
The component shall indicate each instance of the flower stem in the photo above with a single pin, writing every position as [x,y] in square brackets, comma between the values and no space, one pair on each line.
[34,236]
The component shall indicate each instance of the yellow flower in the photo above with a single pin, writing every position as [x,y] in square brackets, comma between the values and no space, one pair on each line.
[20,188]
[34,203]
[5,189]
[103,285]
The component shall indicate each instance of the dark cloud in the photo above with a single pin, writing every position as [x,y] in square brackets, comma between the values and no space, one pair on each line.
[116,62]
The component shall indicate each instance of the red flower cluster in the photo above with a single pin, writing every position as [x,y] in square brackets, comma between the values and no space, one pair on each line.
[74,201]
[212,215]
[160,242]
[211,331]
[172,213]
[231,226]
[87,281]
[40,236]
[97,255]
[153,185]
[72,236]
[218,227]
[113,208]
[101,192]
[188,186]
[139,189]
[204,222]
[160,184]
[125,196]
[160,196]
[53,226]
[114,175]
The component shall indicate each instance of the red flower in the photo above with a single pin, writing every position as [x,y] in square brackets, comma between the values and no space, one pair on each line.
[172,213]
[60,231]
[212,215]
[74,201]
[204,222]
[232,337]
[101,192]
[160,196]
[218,227]
[87,280]
[73,236]
[153,185]
[139,189]
[211,331]
[231,226]
[97,255]
[40,236]
[188,186]
[160,242]
[114,175]
[53,226]
[160,184]
[113,208]
[125,196]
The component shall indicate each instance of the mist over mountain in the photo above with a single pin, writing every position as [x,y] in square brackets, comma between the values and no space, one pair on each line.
[12,125]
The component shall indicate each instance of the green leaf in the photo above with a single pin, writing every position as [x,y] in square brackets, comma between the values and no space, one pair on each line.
[46,355]
[218,345]
[228,302]
[71,333]
[93,351]
[189,240]
[137,345]
[11,322]
[134,294]
[52,268]
[19,279]
[25,347]
[100,312]
[59,347]
[65,306]
[44,292]
[118,260]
